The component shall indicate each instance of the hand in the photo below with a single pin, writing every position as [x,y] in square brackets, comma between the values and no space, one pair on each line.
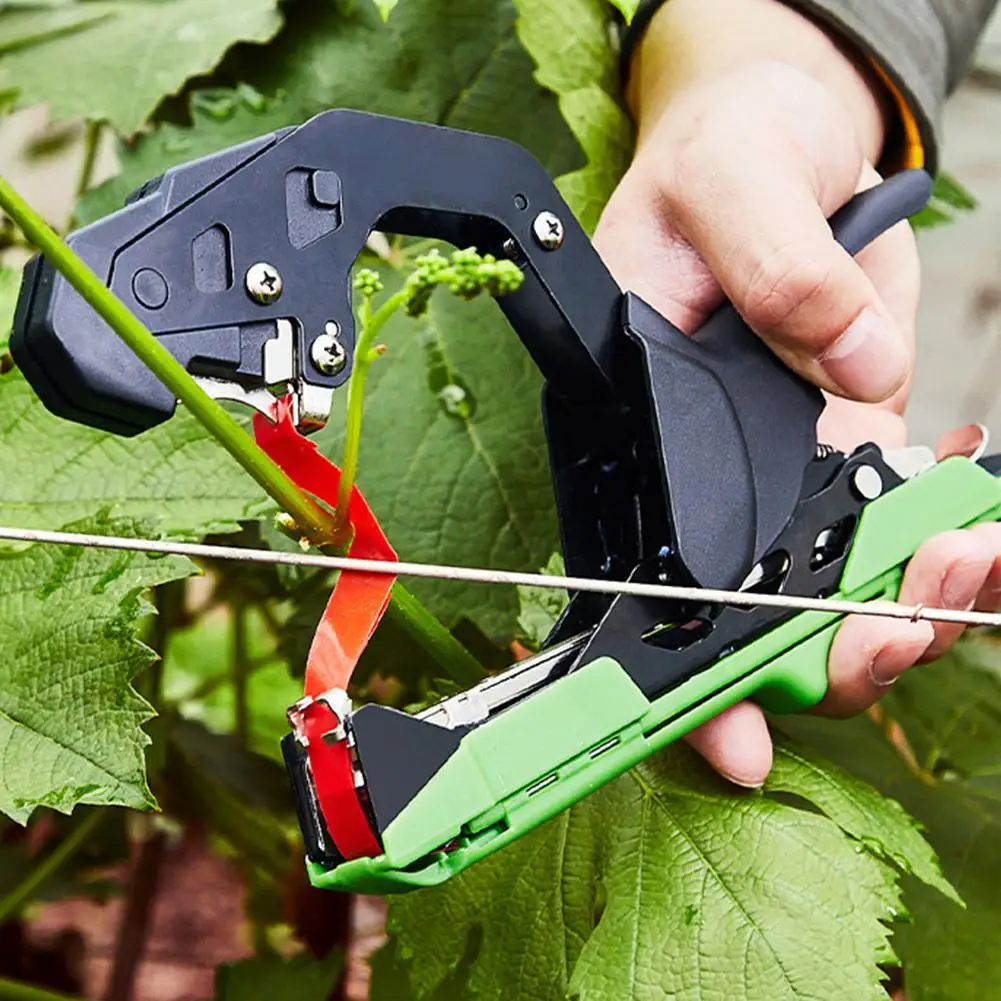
[741,157]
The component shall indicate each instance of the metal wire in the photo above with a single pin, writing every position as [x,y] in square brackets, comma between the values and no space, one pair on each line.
[473,575]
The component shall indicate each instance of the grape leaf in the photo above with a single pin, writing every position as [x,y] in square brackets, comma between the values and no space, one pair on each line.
[667,883]
[69,720]
[568,39]
[330,58]
[948,778]
[173,476]
[540,607]
[31,25]
[164,42]
[264,978]
[10,283]
[452,455]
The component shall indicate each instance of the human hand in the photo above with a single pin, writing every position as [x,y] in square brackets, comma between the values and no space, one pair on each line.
[754,127]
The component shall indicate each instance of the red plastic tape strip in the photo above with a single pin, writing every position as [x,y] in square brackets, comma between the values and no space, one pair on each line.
[358,600]
[334,781]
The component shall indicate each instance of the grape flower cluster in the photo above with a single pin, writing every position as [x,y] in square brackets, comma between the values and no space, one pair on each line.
[466,274]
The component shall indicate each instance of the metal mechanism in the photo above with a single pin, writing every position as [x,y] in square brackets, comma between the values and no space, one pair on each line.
[712,548]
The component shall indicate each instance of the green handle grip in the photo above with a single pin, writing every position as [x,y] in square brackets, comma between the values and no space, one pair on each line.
[956,493]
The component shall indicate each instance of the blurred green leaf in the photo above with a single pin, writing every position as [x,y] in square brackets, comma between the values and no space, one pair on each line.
[211,780]
[948,200]
[569,41]
[164,42]
[627,8]
[344,56]
[385,7]
[10,283]
[198,676]
[268,978]
[29,24]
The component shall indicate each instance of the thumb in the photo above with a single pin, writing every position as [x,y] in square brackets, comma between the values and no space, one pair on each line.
[775,258]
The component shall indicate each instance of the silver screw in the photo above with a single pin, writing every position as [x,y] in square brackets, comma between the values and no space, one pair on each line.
[867,482]
[327,352]
[264,283]
[547,229]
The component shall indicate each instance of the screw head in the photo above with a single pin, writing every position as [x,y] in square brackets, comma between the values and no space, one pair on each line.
[327,352]
[264,283]
[547,228]
[867,482]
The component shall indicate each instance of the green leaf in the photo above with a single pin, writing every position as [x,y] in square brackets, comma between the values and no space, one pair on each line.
[385,7]
[174,476]
[10,283]
[948,199]
[880,824]
[31,25]
[569,41]
[950,714]
[197,678]
[627,8]
[668,883]
[541,606]
[457,480]
[69,720]
[164,42]
[265,978]
[330,58]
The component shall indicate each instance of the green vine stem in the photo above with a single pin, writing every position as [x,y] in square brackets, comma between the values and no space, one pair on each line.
[407,612]
[26,890]
[15,990]
[365,353]
[466,274]
[91,145]
[311,519]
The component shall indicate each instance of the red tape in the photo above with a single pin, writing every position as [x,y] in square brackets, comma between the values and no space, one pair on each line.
[356,605]
[358,600]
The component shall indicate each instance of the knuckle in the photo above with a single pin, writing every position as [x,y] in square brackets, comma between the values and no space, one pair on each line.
[782,285]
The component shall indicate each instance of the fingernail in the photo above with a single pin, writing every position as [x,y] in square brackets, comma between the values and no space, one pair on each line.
[868,361]
[962,584]
[885,668]
[911,641]
[742,782]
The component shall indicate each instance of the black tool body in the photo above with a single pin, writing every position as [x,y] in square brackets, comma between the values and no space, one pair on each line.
[691,459]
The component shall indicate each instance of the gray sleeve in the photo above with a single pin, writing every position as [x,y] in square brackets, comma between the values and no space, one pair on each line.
[924,46]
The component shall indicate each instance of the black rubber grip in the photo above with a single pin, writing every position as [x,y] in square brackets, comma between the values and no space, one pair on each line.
[871,213]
